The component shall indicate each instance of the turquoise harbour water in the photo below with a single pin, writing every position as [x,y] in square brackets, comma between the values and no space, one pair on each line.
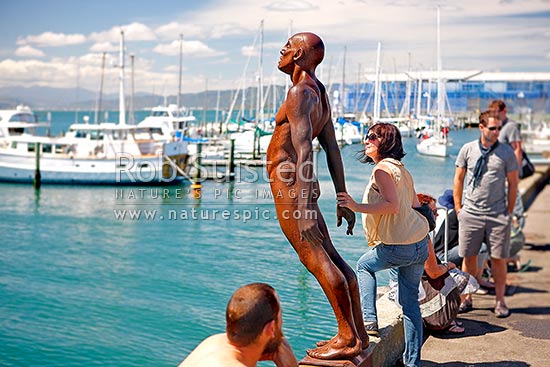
[81,286]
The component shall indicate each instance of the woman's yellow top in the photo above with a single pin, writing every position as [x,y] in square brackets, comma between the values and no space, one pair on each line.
[404,228]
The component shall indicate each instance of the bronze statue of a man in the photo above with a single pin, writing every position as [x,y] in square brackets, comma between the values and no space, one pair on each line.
[304,116]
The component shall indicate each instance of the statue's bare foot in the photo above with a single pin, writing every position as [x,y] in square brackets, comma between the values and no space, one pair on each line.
[320,343]
[336,349]
[364,343]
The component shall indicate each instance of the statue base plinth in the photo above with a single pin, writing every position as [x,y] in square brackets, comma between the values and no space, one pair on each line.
[362,360]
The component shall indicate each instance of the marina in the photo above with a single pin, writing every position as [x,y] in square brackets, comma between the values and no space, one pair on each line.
[133,182]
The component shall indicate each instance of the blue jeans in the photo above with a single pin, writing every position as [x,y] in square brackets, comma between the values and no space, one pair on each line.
[408,260]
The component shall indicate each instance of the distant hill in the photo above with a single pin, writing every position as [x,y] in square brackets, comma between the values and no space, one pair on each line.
[42,97]
[46,98]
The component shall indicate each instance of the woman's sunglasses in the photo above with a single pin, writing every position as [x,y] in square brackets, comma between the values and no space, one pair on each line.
[371,137]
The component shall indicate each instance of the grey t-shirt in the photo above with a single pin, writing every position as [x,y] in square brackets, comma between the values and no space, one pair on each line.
[510,132]
[489,198]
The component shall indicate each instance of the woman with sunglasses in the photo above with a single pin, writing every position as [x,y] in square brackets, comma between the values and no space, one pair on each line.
[395,232]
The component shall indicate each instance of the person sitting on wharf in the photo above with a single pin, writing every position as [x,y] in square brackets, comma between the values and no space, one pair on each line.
[433,267]
[446,200]
[253,333]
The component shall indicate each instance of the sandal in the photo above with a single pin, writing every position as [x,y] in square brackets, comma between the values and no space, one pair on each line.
[465,306]
[524,267]
[482,291]
[486,284]
[371,328]
[501,311]
[455,328]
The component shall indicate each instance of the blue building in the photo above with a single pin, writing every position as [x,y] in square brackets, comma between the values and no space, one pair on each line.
[466,92]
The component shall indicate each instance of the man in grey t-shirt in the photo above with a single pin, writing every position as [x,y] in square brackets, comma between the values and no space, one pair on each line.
[484,167]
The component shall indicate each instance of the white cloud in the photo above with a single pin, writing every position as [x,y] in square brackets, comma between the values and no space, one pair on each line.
[173,30]
[296,5]
[50,39]
[37,73]
[195,48]
[93,59]
[104,47]
[274,45]
[62,73]
[217,36]
[174,68]
[28,51]
[229,29]
[132,32]
[249,51]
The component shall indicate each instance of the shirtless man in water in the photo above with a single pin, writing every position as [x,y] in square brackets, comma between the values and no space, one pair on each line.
[304,116]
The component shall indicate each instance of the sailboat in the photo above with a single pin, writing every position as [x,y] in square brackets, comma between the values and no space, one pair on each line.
[91,154]
[253,137]
[436,144]
[400,122]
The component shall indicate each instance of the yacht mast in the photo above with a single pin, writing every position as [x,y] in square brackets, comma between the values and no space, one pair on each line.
[440,95]
[179,77]
[100,95]
[260,94]
[121,104]
[287,80]
[131,117]
[377,86]
[343,89]
[76,91]
[419,97]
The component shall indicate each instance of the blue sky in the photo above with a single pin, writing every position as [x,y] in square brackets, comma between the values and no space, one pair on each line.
[57,42]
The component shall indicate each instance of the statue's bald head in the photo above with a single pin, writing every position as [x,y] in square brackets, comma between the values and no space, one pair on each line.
[313,47]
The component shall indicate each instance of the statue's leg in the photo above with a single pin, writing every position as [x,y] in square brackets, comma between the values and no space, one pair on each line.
[347,343]
[353,286]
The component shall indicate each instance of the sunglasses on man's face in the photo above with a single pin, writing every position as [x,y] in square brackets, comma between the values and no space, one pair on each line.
[371,137]
[493,128]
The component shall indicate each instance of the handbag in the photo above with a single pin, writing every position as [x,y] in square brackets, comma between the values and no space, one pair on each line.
[527,169]
[441,302]
[427,213]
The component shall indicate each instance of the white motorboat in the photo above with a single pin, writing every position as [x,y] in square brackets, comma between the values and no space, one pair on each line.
[536,140]
[347,133]
[433,146]
[105,153]
[169,123]
[248,141]
[18,121]
[165,121]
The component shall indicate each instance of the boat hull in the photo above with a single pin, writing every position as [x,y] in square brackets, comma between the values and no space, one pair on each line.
[432,147]
[124,170]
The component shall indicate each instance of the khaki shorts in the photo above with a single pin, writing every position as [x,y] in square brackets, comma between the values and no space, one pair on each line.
[474,229]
